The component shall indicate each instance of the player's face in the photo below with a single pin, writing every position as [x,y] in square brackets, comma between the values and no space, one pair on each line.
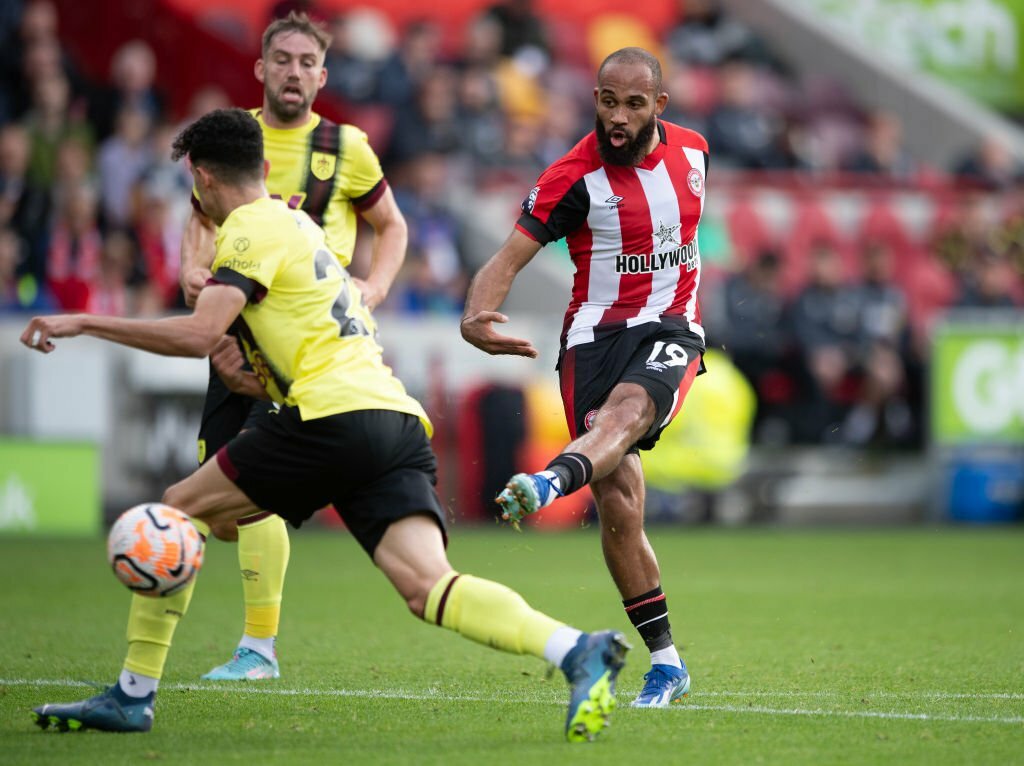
[627,110]
[292,73]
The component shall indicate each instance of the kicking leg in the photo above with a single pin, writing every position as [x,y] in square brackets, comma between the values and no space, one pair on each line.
[411,555]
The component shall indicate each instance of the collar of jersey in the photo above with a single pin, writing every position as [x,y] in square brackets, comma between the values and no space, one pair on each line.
[314,120]
[651,160]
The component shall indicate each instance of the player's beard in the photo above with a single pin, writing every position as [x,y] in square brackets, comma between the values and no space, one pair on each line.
[286,111]
[630,153]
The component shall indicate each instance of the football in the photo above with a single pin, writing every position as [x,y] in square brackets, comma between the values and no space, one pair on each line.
[154,549]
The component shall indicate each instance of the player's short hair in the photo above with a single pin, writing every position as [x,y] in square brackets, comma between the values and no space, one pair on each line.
[635,56]
[296,22]
[227,142]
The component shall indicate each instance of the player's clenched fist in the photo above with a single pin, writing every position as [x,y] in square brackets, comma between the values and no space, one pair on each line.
[39,330]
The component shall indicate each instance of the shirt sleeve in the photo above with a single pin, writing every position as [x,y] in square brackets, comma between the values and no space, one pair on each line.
[361,177]
[248,257]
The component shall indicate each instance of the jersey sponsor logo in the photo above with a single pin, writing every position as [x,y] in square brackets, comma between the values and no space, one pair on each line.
[588,419]
[241,265]
[322,165]
[648,263]
[531,200]
[614,202]
[695,182]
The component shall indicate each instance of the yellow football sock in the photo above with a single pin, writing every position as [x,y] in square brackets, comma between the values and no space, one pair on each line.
[489,613]
[263,551]
[151,625]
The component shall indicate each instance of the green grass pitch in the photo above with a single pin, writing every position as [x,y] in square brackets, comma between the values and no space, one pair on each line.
[806,647]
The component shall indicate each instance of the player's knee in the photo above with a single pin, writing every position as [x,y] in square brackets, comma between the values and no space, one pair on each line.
[417,603]
[176,496]
[225,530]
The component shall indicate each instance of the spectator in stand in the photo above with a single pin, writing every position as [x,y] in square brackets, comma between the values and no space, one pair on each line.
[113,292]
[826,326]
[50,121]
[24,206]
[881,413]
[73,258]
[707,36]
[360,42]
[28,47]
[482,45]
[123,157]
[19,291]
[690,97]
[990,165]
[883,152]
[744,134]
[158,231]
[564,126]
[416,56]
[436,275]
[431,123]
[133,77]
[989,283]
[519,158]
[757,336]
[204,101]
[170,180]
[522,30]
[479,114]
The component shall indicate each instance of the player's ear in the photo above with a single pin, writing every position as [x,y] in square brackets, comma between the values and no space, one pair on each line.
[258,69]
[660,103]
[266,168]
[323,77]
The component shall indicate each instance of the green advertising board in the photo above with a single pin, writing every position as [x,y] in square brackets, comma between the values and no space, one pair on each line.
[974,45]
[49,488]
[977,384]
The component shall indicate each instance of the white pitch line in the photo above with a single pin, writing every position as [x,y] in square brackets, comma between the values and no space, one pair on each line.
[690,705]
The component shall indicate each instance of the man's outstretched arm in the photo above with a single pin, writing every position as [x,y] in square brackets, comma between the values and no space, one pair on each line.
[195,335]
[488,291]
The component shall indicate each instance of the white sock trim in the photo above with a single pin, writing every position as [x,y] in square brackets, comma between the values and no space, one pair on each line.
[667,656]
[136,684]
[560,643]
[556,488]
[264,646]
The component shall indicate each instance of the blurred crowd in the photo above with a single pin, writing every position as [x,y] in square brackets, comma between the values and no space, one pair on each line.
[92,210]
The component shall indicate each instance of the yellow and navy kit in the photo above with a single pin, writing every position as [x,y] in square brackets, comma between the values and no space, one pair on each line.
[327,170]
[304,328]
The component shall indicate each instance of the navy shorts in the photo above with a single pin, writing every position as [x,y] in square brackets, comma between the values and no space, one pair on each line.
[374,466]
[225,414]
[660,357]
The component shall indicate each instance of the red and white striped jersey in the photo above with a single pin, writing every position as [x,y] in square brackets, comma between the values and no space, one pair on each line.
[631,232]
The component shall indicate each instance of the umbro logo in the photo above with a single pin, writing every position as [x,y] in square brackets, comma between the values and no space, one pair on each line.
[613,202]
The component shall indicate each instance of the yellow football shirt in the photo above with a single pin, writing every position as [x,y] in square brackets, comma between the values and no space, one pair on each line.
[359,179]
[305,330]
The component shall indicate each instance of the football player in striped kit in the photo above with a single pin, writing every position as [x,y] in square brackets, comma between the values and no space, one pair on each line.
[628,199]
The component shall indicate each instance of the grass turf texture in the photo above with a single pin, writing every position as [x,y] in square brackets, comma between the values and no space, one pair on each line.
[806,647]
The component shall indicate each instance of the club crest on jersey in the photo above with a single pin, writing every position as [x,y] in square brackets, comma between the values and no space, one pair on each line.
[588,419]
[695,182]
[322,165]
[531,200]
